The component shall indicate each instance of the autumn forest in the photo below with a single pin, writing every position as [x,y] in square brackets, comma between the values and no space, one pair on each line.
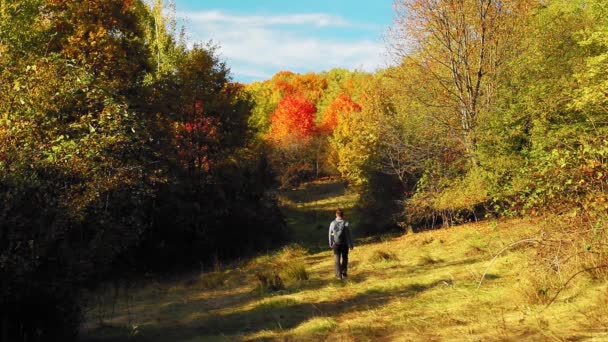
[127,151]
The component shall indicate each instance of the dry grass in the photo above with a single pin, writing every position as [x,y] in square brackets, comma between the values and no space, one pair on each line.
[382,255]
[414,287]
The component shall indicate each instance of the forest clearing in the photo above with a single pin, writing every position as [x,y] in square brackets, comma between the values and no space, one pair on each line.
[177,170]
[413,287]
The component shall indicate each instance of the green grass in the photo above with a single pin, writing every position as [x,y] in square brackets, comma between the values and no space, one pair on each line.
[310,208]
[414,287]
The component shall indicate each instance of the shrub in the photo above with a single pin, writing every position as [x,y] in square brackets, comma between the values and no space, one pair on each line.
[454,201]
[380,203]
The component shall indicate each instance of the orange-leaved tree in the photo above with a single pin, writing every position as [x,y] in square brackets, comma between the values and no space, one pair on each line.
[341,105]
[309,85]
[292,124]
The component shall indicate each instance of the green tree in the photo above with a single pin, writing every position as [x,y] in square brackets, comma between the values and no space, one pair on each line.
[74,188]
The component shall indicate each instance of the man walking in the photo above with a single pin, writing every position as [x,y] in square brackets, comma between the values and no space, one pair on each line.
[340,241]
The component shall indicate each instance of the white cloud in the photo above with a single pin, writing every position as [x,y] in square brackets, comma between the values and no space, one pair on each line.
[258,46]
[251,72]
[315,19]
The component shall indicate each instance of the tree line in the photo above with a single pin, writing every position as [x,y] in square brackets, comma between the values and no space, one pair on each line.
[122,151]
[494,108]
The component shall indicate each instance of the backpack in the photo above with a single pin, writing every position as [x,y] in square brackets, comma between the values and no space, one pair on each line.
[338,232]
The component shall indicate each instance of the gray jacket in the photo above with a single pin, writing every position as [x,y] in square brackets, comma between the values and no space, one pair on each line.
[346,228]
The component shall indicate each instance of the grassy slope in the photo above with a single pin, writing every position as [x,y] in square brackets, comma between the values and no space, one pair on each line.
[423,288]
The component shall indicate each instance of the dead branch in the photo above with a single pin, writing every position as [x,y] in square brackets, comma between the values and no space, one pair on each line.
[530,240]
[570,279]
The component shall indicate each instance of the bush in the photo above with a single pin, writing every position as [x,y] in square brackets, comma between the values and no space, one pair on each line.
[461,200]
[290,252]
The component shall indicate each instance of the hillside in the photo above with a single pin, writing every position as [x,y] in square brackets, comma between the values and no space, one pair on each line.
[413,287]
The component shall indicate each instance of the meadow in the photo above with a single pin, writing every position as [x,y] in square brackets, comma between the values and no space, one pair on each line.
[411,287]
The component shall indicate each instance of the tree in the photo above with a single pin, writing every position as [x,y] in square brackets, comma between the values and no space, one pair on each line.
[265,98]
[292,123]
[110,165]
[310,85]
[355,140]
[341,105]
[462,45]
[560,98]
[161,33]
[74,188]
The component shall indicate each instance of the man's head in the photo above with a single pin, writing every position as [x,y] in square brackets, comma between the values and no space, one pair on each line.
[339,213]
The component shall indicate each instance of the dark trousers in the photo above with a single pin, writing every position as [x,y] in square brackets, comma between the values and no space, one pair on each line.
[341,259]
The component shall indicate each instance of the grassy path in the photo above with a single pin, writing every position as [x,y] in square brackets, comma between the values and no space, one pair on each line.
[419,287]
[310,208]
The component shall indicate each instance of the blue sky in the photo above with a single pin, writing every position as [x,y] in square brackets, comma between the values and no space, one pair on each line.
[260,37]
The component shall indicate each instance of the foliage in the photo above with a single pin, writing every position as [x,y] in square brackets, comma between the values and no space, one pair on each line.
[513,122]
[292,123]
[341,105]
[355,140]
[265,99]
[462,47]
[559,154]
[72,159]
[298,146]
[495,108]
[122,152]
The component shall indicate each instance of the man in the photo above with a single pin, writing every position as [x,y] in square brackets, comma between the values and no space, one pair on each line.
[340,241]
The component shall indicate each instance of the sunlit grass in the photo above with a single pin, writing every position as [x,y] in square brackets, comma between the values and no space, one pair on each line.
[310,208]
[414,287]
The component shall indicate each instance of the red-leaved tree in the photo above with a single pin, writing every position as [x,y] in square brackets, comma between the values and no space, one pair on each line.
[292,124]
[196,138]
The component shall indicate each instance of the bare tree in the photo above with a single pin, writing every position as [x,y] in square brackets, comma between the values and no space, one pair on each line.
[461,45]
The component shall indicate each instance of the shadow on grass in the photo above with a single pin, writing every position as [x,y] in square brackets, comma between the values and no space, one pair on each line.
[309,228]
[401,271]
[212,303]
[193,320]
[316,192]
[278,314]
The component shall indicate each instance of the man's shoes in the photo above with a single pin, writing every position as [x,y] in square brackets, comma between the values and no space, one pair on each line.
[339,277]
[344,276]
